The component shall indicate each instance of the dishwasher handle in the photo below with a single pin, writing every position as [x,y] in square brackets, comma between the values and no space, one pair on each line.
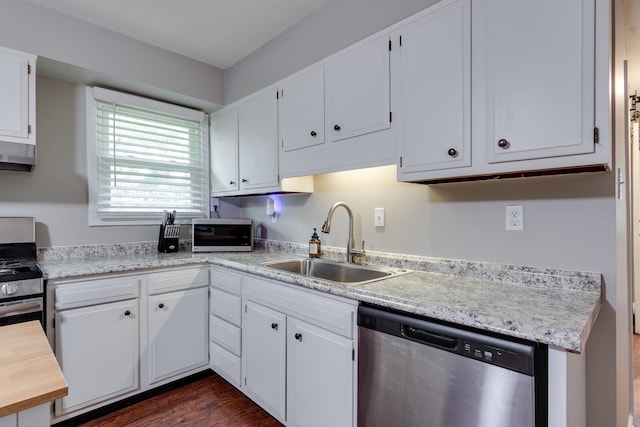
[426,337]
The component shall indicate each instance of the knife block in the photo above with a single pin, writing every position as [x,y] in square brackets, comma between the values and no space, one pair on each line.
[168,238]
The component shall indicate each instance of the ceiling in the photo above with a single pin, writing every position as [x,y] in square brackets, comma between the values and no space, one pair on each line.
[216,32]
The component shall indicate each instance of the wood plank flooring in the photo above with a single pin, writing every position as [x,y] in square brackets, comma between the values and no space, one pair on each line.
[206,402]
[636,376]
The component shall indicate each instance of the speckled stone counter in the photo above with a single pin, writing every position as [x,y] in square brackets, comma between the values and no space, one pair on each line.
[555,307]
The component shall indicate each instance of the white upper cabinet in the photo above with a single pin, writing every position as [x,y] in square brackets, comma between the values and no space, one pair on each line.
[301,110]
[258,141]
[357,91]
[537,77]
[17,96]
[224,152]
[431,71]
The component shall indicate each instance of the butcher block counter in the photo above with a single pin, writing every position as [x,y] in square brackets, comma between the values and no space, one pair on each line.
[30,375]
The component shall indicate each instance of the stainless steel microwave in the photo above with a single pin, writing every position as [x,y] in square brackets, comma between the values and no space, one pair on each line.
[222,234]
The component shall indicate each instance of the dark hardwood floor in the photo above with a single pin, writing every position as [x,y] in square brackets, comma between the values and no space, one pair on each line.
[206,402]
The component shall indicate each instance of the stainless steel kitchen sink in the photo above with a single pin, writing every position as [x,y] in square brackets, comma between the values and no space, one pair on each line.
[335,271]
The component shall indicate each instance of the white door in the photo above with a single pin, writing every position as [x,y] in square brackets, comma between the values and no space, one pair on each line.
[258,141]
[320,376]
[97,349]
[431,65]
[357,91]
[224,152]
[540,78]
[264,357]
[178,332]
[301,110]
[14,96]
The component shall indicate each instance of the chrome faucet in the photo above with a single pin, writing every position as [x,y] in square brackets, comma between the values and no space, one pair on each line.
[326,228]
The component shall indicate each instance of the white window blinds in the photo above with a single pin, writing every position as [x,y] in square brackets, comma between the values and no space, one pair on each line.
[149,157]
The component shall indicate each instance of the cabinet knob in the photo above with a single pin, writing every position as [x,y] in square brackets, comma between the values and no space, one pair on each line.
[232,183]
[127,313]
[452,152]
[298,336]
[503,143]
[313,133]
[161,305]
[244,180]
[336,128]
[274,326]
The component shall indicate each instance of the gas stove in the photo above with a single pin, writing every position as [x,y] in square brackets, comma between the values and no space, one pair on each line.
[21,284]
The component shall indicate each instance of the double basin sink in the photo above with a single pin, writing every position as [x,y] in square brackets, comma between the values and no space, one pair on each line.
[335,271]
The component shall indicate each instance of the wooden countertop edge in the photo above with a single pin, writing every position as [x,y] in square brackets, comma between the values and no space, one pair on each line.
[48,396]
[29,374]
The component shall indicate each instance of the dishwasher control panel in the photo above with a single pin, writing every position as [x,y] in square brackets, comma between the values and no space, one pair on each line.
[496,356]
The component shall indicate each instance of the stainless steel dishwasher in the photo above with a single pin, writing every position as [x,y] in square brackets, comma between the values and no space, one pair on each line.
[416,372]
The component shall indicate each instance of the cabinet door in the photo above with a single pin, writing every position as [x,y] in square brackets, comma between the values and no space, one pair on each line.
[224,152]
[178,332]
[540,81]
[357,91]
[264,357]
[97,349]
[258,141]
[14,95]
[301,110]
[320,371]
[432,71]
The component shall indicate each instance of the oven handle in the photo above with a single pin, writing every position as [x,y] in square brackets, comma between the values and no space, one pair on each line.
[20,307]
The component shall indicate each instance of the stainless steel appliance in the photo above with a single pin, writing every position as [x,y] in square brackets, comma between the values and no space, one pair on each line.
[416,372]
[21,284]
[222,234]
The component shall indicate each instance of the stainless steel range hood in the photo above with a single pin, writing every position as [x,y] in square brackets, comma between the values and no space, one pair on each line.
[17,156]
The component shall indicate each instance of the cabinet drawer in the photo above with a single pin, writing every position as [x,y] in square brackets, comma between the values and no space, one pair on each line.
[225,334]
[226,280]
[327,313]
[225,364]
[79,294]
[226,306]
[177,280]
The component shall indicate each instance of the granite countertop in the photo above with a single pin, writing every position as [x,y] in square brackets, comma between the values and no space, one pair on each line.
[554,307]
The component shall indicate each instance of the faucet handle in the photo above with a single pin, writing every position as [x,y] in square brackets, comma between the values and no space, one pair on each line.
[357,255]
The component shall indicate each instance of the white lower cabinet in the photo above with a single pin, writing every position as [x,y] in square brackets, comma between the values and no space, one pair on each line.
[298,358]
[36,416]
[177,332]
[118,336]
[265,358]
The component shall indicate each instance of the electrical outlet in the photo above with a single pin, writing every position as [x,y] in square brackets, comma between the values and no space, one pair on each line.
[515,218]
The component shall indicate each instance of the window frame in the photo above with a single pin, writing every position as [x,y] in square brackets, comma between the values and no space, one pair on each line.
[93,94]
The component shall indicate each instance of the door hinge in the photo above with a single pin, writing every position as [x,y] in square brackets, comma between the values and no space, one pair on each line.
[400,40]
[29,129]
[596,135]
[245,381]
[353,354]
[390,117]
[53,323]
[28,68]
[277,94]
[245,310]
[400,161]
[389,45]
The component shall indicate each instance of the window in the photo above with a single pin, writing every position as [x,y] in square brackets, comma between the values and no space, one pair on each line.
[144,157]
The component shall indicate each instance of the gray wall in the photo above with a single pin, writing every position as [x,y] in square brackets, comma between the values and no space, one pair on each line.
[569,220]
[74,50]
[334,26]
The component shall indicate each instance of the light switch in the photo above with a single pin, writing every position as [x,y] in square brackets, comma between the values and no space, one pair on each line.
[378,217]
